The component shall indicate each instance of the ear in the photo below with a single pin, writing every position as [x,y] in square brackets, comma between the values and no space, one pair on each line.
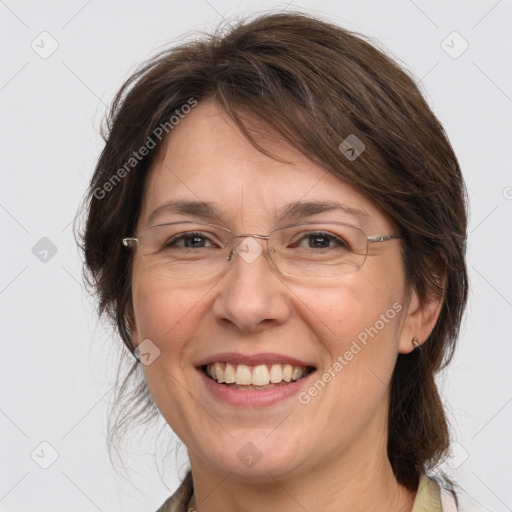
[420,320]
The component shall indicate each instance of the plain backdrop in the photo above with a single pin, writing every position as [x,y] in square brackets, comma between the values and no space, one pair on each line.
[61,63]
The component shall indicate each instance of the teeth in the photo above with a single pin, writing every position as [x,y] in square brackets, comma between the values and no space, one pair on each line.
[229,374]
[297,372]
[219,372]
[260,375]
[243,375]
[276,373]
[287,372]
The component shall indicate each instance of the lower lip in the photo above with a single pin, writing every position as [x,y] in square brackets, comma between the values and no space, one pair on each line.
[249,398]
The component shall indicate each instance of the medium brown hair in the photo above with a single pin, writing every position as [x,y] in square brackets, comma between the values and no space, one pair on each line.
[314,83]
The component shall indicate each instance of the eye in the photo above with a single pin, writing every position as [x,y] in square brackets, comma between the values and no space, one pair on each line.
[321,240]
[190,240]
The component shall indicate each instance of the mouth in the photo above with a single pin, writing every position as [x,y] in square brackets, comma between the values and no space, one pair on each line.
[255,377]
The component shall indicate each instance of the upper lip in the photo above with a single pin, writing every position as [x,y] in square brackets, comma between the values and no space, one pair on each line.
[253,360]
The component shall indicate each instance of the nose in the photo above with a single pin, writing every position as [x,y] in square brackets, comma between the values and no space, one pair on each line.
[252,295]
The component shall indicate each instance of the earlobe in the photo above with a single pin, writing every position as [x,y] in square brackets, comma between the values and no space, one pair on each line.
[422,316]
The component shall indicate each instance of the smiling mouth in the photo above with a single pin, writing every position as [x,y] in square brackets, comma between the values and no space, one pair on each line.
[259,377]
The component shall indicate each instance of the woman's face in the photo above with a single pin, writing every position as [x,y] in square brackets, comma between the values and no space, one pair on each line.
[349,328]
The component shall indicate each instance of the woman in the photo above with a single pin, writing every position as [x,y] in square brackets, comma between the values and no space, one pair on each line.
[277,225]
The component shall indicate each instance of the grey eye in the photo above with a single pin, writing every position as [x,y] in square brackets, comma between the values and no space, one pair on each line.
[190,241]
[321,240]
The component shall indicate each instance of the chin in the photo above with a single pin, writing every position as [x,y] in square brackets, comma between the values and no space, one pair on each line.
[255,459]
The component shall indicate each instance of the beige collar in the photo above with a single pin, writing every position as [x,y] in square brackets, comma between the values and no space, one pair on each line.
[428,497]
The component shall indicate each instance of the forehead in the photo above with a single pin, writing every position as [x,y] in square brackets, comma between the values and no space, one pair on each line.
[207,159]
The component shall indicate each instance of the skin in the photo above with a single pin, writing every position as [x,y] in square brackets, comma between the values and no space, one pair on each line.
[329,454]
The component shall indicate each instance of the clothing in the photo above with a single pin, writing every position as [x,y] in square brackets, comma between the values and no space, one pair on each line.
[429,497]
[179,501]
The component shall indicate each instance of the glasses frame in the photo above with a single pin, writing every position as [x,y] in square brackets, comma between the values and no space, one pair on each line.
[131,242]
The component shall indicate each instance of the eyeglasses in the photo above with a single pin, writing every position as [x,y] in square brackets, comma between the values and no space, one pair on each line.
[192,250]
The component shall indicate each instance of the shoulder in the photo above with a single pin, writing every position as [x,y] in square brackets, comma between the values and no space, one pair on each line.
[178,502]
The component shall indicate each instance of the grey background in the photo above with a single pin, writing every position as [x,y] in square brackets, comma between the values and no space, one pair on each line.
[58,361]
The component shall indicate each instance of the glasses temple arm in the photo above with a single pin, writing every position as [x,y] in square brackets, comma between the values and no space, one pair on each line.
[383,238]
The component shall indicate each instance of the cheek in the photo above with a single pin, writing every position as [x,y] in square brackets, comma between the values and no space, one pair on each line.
[354,309]
[168,315]
[358,325]
[163,310]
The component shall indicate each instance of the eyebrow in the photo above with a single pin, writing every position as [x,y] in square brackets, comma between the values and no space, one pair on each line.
[209,211]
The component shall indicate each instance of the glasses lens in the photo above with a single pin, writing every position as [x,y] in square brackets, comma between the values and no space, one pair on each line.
[191,250]
[318,250]
[184,250]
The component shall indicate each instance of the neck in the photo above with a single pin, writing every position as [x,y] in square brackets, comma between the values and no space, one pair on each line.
[339,485]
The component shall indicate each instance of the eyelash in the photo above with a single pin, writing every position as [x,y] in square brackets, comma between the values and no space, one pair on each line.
[188,235]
